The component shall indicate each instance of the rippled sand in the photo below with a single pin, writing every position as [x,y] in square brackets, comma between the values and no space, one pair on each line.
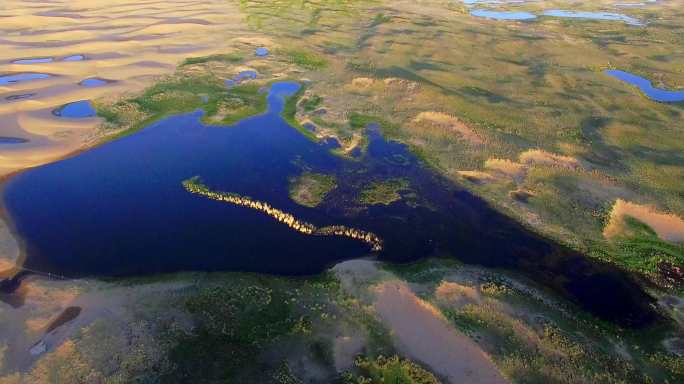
[128,41]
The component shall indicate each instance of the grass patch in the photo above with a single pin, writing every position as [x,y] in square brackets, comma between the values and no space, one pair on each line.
[304,58]
[383,370]
[225,58]
[183,93]
[311,103]
[640,249]
[289,113]
[380,18]
[383,192]
[310,189]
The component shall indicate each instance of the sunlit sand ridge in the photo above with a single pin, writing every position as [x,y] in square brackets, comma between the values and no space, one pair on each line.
[193,186]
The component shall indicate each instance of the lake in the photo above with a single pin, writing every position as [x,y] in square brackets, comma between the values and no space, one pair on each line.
[120,209]
[645,86]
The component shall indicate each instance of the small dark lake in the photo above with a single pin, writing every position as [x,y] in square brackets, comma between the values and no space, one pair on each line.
[120,209]
[12,140]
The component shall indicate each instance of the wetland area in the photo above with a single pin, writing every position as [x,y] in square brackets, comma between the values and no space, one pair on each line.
[341,192]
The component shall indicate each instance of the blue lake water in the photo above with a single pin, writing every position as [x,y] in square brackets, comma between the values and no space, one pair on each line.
[261,52]
[502,15]
[245,75]
[240,77]
[38,60]
[19,77]
[645,86]
[120,209]
[593,16]
[74,58]
[76,110]
[12,140]
[93,82]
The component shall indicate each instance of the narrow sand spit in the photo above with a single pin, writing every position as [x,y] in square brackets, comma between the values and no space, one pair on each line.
[422,333]
[667,226]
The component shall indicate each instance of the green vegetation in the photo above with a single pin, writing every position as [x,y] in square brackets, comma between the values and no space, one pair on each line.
[309,189]
[361,121]
[383,192]
[639,248]
[304,58]
[290,112]
[226,58]
[232,325]
[535,338]
[380,18]
[394,370]
[182,93]
[311,103]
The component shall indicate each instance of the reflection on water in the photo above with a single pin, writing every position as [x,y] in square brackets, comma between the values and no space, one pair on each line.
[121,209]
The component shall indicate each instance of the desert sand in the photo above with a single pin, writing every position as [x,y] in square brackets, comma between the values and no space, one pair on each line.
[128,42]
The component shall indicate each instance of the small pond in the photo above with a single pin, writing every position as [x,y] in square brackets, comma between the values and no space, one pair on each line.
[14,78]
[38,60]
[93,82]
[502,15]
[76,110]
[593,16]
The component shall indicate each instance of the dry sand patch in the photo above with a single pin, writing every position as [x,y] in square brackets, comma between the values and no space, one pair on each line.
[544,158]
[128,41]
[432,120]
[423,334]
[667,226]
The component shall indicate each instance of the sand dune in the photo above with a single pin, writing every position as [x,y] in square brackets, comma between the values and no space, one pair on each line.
[128,41]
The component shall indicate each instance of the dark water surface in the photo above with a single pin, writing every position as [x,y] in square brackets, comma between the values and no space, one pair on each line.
[120,209]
